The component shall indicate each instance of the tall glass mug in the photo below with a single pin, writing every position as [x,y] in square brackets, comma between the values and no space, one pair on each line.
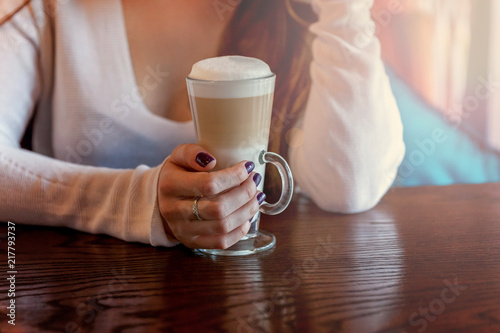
[231,102]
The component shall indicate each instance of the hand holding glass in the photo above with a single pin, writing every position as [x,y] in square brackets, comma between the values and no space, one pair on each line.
[231,102]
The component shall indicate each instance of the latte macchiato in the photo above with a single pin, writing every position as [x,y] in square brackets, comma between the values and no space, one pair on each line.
[231,101]
[233,108]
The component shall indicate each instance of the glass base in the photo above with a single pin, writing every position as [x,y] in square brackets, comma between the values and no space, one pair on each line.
[262,241]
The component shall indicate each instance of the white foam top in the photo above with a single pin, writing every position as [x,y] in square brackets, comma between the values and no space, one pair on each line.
[230,77]
[230,68]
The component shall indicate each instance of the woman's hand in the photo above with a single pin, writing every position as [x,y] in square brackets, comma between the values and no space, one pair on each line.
[229,198]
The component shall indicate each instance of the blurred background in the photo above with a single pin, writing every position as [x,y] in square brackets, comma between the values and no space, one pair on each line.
[443,59]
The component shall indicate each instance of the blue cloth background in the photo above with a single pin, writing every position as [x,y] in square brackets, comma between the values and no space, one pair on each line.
[439,152]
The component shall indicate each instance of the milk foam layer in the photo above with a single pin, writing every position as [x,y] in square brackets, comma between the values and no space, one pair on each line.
[230,77]
[230,68]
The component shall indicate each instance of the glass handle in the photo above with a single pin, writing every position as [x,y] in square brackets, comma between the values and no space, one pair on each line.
[286,183]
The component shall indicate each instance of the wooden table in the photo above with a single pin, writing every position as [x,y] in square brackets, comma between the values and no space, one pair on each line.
[425,259]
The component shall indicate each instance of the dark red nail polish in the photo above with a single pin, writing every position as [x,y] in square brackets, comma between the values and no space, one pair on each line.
[257,178]
[250,166]
[261,197]
[203,159]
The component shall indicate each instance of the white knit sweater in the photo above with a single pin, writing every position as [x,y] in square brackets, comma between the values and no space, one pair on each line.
[98,149]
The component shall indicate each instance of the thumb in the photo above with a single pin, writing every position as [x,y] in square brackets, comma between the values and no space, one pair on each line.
[192,157]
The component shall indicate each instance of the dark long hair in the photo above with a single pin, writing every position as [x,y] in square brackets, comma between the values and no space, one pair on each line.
[276,31]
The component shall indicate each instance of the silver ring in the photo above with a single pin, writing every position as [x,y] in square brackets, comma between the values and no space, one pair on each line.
[195,209]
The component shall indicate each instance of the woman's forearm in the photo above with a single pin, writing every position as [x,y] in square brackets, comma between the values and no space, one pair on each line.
[352,130]
[43,191]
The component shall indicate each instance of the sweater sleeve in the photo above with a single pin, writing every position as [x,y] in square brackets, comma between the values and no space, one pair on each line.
[352,132]
[36,189]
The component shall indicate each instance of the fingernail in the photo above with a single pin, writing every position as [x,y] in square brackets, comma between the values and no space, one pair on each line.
[250,166]
[257,178]
[261,197]
[203,159]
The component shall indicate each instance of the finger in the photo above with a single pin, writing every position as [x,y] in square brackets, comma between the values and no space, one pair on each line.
[218,207]
[206,184]
[192,157]
[200,230]
[222,241]
[225,204]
